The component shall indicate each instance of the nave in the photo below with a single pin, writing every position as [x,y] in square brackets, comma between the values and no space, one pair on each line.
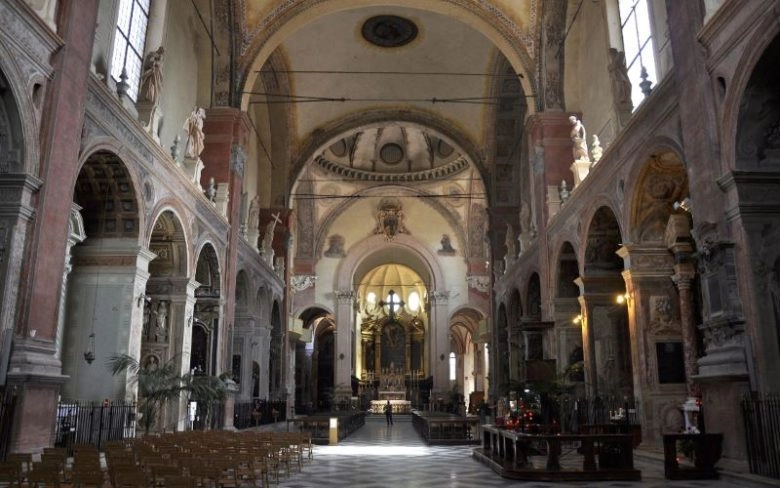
[378,456]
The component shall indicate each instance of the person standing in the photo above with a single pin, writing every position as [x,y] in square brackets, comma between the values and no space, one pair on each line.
[389,413]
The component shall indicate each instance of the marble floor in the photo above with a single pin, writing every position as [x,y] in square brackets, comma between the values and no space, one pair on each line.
[377,456]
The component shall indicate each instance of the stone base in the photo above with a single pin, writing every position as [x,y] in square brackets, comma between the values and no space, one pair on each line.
[580,169]
[721,397]
[193,168]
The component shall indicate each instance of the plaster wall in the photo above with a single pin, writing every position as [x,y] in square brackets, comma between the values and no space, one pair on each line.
[586,74]
[184,73]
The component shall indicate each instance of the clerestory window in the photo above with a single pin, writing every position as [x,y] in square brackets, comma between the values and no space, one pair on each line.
[129,40]
[638,46]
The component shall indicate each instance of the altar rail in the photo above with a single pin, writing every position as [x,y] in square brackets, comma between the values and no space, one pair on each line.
[604,456]
[319,425]
[442,428]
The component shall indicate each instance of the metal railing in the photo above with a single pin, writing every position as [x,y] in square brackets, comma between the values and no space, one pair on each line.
[7,408]
[93,423]
[761,415]
[576,412]
[259,412]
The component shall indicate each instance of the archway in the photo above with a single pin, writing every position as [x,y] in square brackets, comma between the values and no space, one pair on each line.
[469,380]
[167,303]
[567,316]
[608,348]
[102,315]
[307,360]
[206,326]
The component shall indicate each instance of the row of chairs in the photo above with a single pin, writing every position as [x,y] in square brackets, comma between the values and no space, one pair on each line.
[186,460]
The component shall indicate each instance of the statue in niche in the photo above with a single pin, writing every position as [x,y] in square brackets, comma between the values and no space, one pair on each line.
[446,247]
[147,319]
[621,85]
[161,322]
[195,139]
[335,247]
[578,138]
[151,78]
[152,362]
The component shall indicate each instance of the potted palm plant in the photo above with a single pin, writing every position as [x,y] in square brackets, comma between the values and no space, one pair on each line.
[160,383]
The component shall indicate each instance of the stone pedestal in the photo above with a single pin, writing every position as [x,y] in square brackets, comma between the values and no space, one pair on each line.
[150,117]
[193,168]
[221,200]
[580,169]
[230,400]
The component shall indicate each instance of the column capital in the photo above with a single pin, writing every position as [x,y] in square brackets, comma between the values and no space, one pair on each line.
[683,279]
[345,296]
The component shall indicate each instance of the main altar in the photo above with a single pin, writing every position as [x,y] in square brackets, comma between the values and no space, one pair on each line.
[392,387]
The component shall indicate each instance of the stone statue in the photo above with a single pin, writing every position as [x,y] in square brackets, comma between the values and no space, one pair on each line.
[268,239]
[621,85]
[595,149]
[161,321]
[253,220]
[578,138]
[563,192]
[211,190]
[194,127]
[147,319]
[151,78]
[525,217]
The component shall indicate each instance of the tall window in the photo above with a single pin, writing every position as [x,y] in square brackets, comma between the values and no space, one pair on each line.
[453,366]
[638,45]
[129,42]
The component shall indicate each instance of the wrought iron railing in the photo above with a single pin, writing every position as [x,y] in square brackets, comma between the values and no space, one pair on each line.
[761,415]
[573,413]
[7,408]
[93,423]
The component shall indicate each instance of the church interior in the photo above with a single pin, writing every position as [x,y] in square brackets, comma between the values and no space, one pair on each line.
[441,204]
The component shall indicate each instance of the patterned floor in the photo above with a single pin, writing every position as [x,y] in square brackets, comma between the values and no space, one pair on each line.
[377,456]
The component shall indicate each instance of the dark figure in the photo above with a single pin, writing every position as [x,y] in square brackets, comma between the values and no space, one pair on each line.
[389,413]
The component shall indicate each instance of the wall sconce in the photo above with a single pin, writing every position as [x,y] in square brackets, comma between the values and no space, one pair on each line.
[685,204]
[577,319]
[622,299]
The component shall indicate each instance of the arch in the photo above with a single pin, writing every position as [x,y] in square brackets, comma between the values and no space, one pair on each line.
[496,26]
[766,31]
[105,190]
[413,116]
[242,292]
[324,228]
[533,299]
[168,240]
[207,269]
[757,131]
[567,272]
[17,97]
[375,250]
[602,240]
[661,182]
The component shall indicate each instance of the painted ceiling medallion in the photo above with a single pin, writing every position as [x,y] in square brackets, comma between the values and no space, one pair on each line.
[389,31]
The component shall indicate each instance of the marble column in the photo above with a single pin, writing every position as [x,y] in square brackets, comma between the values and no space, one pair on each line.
[683,280]
[439,342]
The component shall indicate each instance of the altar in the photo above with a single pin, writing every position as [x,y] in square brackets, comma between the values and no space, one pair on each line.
[399,406]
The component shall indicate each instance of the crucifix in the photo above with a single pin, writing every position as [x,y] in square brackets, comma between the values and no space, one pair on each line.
[393,302]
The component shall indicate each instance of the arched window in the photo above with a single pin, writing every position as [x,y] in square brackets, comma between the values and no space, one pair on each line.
[638,45]
[129,40]
[413,302]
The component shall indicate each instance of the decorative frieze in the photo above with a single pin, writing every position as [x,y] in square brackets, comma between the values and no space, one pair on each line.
[479,282]
[302,282]
[345,296]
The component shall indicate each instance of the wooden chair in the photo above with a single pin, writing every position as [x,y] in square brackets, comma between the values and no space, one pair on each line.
[84,477]
[179,482]
[10,473]
[24,460]
[44,476]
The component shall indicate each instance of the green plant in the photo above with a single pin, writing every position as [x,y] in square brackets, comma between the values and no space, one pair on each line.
[160,383]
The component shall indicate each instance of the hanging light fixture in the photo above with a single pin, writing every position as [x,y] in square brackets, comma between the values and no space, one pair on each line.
[89,352]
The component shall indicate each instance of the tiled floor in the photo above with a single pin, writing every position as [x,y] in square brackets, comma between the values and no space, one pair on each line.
[377,456]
